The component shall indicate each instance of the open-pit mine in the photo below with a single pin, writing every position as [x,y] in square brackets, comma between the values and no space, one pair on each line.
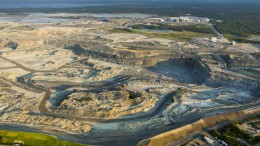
[96,80]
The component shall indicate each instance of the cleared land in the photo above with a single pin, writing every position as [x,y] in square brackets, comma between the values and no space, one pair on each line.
[87,81]
[180,36]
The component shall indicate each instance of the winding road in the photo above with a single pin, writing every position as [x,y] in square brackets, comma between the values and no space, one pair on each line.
[123,139]
[106,85]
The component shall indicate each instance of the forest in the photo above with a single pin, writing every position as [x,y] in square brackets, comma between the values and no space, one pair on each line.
[239,20]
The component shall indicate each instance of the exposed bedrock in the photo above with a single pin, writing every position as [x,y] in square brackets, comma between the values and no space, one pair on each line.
[173,68]
[59,97]
[190,70]
[222,79]
[105,104]
[242,60]
[105,53]
[101,51]
[164,63]
[201,72]
[12,45]
[67,43]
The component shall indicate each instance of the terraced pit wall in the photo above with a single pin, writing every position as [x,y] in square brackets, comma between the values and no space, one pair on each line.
[182,132]
[200,70]
[242,60]
[222,79]
[104,53]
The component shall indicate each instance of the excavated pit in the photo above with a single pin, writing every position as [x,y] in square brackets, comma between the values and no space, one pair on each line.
[68,75]
[189,70]
[242,60]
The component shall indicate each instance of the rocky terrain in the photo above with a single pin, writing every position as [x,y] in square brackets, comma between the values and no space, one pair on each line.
[79,76]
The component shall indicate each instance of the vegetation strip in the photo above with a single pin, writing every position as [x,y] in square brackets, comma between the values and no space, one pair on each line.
[32,139]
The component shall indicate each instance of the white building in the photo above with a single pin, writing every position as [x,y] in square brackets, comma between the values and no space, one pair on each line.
[184,19]
[158,19]
[233,43]
[208,140]
[223,143]
[205,19]
[214,40]
[175,19]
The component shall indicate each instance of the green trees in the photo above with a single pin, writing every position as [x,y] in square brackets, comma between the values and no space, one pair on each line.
[231,133]
[231,141]
[194,28]
[32,139]
[234,28]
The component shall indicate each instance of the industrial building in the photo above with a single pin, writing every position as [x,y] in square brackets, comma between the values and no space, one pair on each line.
[188,19]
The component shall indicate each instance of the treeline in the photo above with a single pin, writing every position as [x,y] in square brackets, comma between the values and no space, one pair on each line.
[255,117]
[230,133]
[238,31]
[234,28]
[240,20]
[245,40]
[194,28]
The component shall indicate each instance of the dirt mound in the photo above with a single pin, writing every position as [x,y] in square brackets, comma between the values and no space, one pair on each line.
[168,137]
[247,60]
